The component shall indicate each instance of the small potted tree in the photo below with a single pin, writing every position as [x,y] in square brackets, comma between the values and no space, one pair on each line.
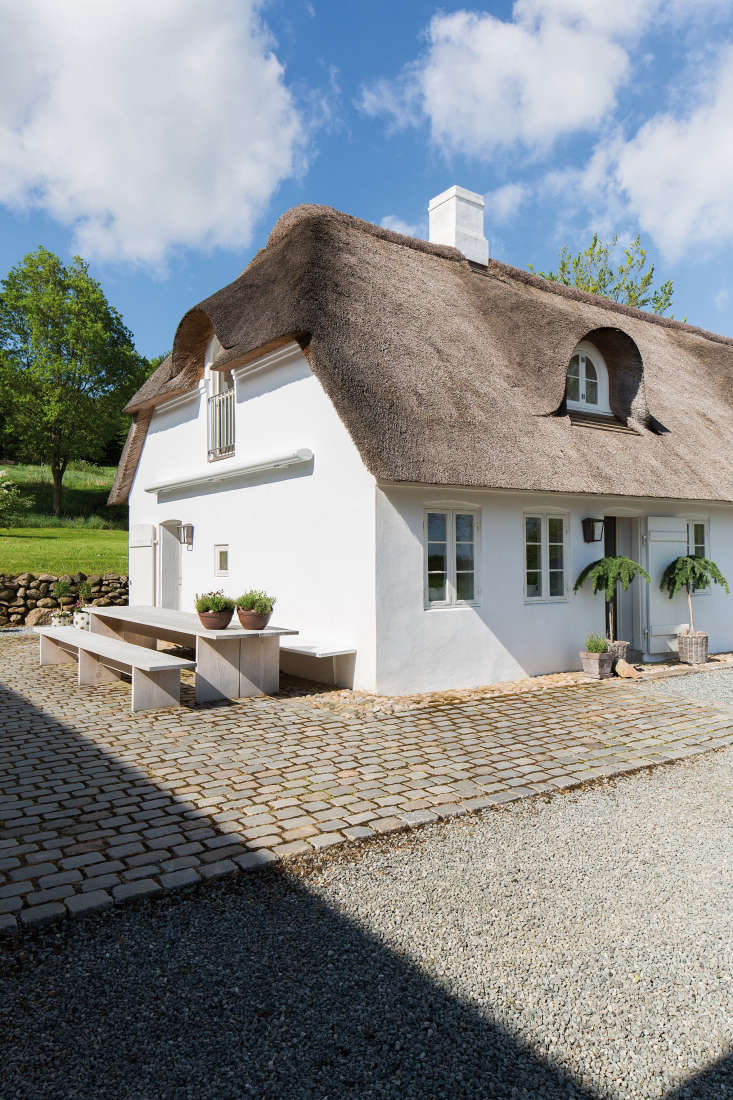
[605,574]
[597,658]
[692,574]
[215,610]
[254,609]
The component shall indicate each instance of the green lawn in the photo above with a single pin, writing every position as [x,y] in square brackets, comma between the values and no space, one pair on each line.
[61,550]
[85,490]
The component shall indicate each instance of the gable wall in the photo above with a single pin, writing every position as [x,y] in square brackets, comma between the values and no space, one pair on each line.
[304,535]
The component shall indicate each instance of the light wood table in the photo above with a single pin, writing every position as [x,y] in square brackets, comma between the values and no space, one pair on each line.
[230,664]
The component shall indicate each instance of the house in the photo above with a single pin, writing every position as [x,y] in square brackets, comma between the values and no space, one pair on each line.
[400,439]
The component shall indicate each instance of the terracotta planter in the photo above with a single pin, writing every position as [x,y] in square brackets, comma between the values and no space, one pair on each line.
[620,651]
[215,620]
[250,620]
[598,666]
[693,648]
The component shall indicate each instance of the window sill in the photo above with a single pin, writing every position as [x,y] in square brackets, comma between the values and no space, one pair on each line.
[605,422]
[458,606]
[531,601]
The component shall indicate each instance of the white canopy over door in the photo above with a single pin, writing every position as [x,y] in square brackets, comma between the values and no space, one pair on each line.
[666,540]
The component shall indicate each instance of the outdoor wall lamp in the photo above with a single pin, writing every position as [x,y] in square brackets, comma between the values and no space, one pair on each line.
[185,535]
[592,530]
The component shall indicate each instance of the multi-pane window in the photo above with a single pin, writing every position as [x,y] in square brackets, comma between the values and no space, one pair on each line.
[586,387]
[221,561]
[544,557]
[696,543]
[450,557]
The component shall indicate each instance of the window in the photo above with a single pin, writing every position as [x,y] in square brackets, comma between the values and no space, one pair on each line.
[545,565]
[221,561]
[219,405]
[696,544]
[450,558]
[586,387]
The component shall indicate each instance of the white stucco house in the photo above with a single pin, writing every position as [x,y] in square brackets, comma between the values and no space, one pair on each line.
[400,440]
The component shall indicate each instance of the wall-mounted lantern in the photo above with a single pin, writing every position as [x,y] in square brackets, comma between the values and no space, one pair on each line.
[185,535]
[592,530]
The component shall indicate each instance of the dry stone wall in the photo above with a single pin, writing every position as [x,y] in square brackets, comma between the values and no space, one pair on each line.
[29,600]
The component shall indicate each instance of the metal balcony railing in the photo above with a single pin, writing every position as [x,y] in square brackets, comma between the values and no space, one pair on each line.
[221,425]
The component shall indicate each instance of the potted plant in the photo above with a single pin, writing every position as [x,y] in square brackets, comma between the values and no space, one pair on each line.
[254,609]
[605,574]
[597,658]
[62,617]
[81,617]
[214,609]
[691,573]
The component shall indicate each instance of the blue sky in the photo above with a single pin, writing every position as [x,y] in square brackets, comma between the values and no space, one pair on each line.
[161,142]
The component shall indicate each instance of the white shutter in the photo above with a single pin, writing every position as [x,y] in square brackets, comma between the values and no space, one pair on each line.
[142,564]
[666,540]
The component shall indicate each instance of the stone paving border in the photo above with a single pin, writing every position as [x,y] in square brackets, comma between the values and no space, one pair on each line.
[98,806]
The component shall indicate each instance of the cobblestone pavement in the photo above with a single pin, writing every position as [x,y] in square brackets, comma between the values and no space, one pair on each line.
[98,805]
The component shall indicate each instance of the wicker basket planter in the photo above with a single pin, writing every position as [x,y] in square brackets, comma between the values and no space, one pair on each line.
[598,666]
[693,648]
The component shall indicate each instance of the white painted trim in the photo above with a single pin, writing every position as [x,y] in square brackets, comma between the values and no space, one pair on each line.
[452,601]
[273,359]
[181,399]
[297,458]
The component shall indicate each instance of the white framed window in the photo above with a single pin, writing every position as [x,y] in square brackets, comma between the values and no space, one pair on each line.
[697,546]
[451,555]
[221,560]
[545,556]
[586,387]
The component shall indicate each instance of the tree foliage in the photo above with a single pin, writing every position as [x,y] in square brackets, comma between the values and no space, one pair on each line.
[594,271]
[691,573]
[608,572]
[12,503]
[68,363]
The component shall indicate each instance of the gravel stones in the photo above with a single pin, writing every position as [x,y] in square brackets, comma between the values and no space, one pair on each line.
[573,946]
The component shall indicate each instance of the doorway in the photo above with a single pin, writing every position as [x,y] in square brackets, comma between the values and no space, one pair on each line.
[170,565]
[621,538]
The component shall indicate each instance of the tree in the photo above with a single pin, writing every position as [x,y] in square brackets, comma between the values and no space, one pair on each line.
[691,573]
[628,283]
[605,574]
[68,365]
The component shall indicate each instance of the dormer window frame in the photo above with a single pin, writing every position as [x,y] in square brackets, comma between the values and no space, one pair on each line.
[590,363]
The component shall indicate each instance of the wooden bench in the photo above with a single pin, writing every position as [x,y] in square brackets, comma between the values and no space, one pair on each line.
[320,661]
[156,677]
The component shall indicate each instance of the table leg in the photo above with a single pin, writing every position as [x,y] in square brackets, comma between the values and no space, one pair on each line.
[92,671]
[259,665]
[217,669]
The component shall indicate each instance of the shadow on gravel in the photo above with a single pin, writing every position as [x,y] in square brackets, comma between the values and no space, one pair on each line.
[250,987]
[715,1081]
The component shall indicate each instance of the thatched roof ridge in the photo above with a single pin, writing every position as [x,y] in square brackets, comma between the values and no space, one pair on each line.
[448,373]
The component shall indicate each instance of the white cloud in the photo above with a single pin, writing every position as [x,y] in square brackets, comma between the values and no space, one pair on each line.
[677,172]
[398,225]
[145,126]
[503,203]
[486,84]
[721,298]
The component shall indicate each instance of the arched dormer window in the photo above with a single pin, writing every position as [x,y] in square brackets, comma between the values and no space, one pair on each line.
[586,389]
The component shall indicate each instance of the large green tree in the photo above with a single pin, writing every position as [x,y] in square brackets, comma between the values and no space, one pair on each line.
[617,273]
[67,367]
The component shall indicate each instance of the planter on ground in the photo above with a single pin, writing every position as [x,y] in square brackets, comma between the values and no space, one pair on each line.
[693,648]
[598,666]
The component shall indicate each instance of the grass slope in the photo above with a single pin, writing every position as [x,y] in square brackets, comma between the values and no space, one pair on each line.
[85,491]
[62,550]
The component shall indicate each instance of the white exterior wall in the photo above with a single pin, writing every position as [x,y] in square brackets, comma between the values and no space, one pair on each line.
[304,535]
[506,637]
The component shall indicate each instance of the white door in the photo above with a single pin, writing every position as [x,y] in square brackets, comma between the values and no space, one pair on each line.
[666,540]
[142,564]
[170,565]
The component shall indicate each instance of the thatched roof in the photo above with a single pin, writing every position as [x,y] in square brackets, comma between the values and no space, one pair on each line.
[448,373]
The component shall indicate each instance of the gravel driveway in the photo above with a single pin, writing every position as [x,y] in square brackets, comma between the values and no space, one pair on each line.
[573,946]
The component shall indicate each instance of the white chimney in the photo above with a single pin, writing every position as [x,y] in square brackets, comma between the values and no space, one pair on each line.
[457,219]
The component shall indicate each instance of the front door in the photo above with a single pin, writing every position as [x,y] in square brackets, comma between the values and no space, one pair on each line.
[666,540]
[170,565]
